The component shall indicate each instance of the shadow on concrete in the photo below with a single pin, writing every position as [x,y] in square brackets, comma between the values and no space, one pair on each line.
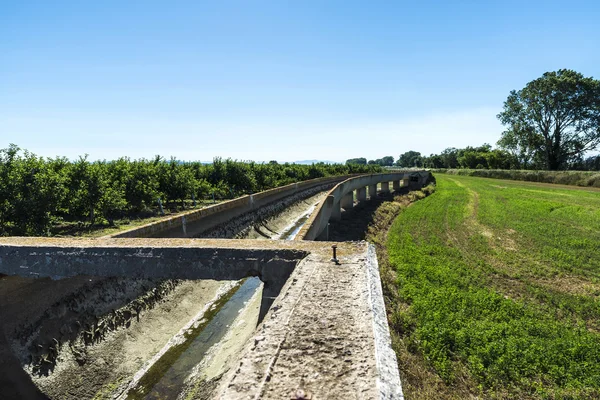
[355,222]
[15,383]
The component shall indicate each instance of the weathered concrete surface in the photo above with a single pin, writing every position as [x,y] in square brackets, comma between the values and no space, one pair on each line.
[14,382]
[372,191]
[388,378]
[347,201]
[326,334]
[239,227]
[146,258]
[361,194]
[336,212]
[322,333]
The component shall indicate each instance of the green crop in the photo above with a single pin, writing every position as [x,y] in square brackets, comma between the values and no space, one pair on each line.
[502,279]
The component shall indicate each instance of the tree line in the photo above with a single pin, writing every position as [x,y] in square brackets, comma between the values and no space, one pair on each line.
[553,123]
[485,157]
[386,161]
[38,194]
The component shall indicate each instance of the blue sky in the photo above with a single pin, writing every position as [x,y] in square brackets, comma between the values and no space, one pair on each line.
[280,80]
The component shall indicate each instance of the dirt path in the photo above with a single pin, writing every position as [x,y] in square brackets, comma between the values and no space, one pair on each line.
[511,182]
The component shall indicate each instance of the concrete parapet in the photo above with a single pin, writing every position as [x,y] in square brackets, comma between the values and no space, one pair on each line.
[150,258]
[143,258]
[329,203]
[336,212]
[317,222]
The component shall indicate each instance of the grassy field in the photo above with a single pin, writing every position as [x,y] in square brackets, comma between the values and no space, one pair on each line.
[578,178]
[496,291]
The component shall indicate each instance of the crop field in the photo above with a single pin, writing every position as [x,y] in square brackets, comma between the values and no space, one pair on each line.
[498,291]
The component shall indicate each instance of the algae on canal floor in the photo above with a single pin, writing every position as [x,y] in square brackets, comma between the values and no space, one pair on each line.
[166,378]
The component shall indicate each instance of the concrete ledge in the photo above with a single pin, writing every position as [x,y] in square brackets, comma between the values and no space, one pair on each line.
[326,333]
[388,376]
[144,259]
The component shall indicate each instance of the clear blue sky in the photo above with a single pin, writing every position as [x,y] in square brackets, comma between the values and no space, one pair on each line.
[281,80]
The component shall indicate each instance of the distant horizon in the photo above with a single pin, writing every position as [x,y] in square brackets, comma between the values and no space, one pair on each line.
[305,161]
[167,158]
[313,80]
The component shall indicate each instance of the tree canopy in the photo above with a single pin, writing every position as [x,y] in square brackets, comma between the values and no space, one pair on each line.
[410,159]
[386,161]
[553,120]
[40,195]
[359,161]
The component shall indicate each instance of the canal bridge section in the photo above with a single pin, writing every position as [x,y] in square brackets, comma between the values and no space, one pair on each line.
[324,332]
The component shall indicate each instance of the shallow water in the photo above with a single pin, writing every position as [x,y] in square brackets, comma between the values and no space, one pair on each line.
[292,230]
[173,381]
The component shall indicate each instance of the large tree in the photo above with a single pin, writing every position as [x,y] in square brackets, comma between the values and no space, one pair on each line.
[554,119]
[410,159]
[360,161]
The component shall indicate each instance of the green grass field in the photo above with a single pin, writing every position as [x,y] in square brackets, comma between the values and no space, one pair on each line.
[498,291]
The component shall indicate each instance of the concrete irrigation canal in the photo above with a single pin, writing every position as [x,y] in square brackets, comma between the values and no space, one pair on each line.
[235,300]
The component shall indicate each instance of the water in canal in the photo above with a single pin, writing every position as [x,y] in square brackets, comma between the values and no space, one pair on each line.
[167,378]
[170,384]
